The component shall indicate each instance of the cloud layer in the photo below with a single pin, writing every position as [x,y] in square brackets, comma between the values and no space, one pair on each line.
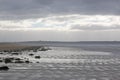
[70,20]
[59,14]
[65,23]
[24,9]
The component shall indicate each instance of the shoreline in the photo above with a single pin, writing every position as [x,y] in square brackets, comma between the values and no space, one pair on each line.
[16,53]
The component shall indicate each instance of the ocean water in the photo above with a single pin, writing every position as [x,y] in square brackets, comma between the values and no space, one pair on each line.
[88,61]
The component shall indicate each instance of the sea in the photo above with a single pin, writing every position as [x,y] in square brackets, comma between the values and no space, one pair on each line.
[92,60]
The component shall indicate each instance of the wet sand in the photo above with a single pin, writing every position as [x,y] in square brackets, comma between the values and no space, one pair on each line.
[12,46]
[63,63]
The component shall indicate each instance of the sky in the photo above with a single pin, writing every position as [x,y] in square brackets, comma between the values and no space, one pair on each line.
[59,20]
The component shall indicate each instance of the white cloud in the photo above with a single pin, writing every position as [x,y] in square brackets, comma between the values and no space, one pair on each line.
[65,23]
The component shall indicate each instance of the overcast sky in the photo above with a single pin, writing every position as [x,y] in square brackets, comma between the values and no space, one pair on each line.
[59,20]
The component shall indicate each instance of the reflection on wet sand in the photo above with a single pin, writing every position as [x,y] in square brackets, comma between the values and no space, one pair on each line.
[66,64]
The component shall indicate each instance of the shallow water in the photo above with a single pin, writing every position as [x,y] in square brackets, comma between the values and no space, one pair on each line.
[64,63]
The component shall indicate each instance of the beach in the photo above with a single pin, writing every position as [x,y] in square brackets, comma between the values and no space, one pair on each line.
[65,63]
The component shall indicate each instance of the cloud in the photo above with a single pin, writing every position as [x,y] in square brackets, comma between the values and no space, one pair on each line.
[80,22]
[64,23]
[59,20]
[29,9]
[95,27]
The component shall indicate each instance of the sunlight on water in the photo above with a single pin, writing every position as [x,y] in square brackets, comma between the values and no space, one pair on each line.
[62,63]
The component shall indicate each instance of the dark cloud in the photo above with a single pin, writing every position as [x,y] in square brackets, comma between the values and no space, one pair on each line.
[44,2]
[21,9]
